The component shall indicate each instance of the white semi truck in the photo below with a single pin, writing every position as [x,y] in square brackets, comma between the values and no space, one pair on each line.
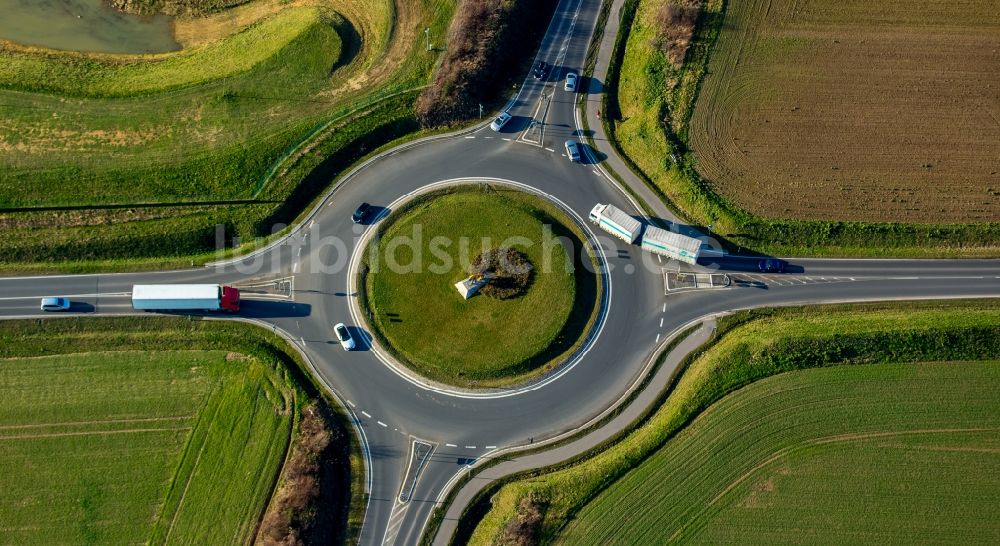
[613,220]
[185,297]
[670,244]
[660,241]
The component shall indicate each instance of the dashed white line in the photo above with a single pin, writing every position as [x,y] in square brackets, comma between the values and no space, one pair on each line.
[491,447]
[299,253]
[450,445]
[381,424]
[507,139]
[366,414]
[295,267]
[659,258]
[302,340]
[471,136]
[657,338]
[664,307]
[550,149]
[351,404]
[661,322]
[470,447]
[595,172]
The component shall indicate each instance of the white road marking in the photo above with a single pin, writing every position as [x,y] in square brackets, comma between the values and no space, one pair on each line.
[661,322]
[506,139]
[302,340]
[366,414]
[450,445]
[472,136]
[595,172]
[311,223]
[470,447]
[299,253]
[550,149]
[491,447]
[659,258]
[295,267]
[657,338]
[664,307]
[381,424]
[351,404]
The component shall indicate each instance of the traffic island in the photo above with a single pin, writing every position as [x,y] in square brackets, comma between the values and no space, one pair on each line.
[527,291]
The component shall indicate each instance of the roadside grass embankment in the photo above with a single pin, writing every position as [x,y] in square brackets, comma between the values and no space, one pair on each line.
[750,345]
[410,297]
[649,108]
[246,144]
[158,429]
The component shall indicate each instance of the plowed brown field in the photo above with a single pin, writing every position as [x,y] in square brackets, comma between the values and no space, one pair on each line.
[855,110]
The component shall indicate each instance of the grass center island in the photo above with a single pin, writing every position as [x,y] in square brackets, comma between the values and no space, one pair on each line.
[495,338]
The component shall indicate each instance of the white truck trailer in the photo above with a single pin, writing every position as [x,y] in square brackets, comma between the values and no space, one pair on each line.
[670,244]
[613,220]
[185,297]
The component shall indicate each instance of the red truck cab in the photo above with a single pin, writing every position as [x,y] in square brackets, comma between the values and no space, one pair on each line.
[230,300]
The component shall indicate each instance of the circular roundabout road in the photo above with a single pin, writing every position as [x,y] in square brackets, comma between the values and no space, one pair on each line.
[397,414]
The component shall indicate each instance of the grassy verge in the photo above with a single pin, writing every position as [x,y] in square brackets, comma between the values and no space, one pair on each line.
[245,144]
[648,111]
[236,391]
[410,295]
[896,453]
[753,345]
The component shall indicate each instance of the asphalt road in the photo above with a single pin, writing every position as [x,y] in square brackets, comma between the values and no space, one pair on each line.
[301,287]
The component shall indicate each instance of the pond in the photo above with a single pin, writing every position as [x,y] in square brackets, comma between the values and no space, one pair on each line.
[83,25]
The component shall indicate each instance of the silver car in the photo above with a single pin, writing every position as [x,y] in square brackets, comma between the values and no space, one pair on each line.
[573,150]
[501,120]
[570,82]
[55,304]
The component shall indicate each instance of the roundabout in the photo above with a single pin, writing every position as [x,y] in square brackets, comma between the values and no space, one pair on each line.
[535,305]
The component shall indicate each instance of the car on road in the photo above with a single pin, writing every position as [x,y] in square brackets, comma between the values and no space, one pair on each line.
[361,213]
[573,150]
[570,82]
[344,336]
[771,265]
[55,304]
[501,120]
[541,70]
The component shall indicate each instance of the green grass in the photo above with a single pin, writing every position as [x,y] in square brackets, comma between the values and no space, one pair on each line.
[83,75]
[222,134]
[122,447]
[234,389]
[480,341]
[896,453]
[646,89]
[754,345]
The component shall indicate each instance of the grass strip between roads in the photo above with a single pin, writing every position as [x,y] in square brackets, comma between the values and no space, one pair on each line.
[410,297]
[752,345]
[648,111]
[158,429]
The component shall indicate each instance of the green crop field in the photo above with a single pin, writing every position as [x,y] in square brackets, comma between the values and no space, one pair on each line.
[243,128]
[895,453]
[774,136]
[751,346]
[480,341]
[176,447]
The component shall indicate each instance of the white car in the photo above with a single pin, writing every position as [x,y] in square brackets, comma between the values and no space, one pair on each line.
[344,336]
[55,304]
[570,82]
[573,151]
[501,120]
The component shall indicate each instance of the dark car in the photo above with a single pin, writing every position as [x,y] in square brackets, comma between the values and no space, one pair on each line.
[541,70]
[360,214]
[771,265]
